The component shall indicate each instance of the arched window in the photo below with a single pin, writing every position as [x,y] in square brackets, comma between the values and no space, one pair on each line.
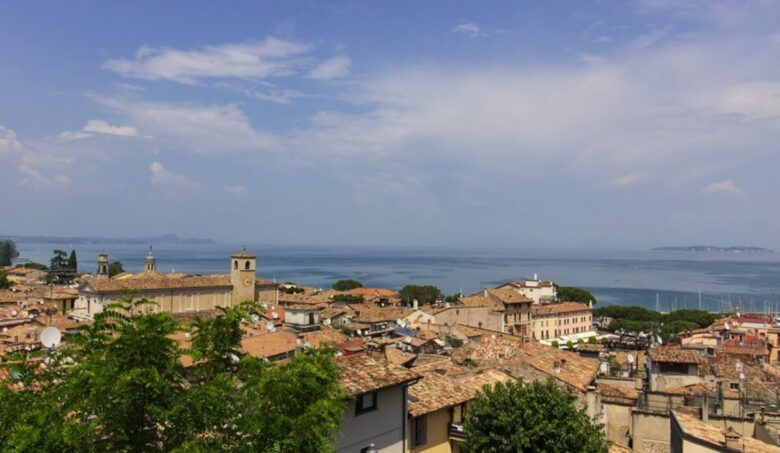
[235,264]
[246,265]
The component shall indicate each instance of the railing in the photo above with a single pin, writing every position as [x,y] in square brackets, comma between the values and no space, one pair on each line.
[456,431]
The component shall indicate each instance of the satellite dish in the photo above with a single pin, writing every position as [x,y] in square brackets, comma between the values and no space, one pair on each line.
[359,333]
[630,358]
[51,337]
[726,326]
[603,367]
[660,341]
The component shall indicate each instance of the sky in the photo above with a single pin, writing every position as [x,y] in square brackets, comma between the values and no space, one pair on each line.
[580,124]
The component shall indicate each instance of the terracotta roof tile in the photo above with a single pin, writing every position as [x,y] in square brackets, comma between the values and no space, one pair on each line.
[270,344]
[361,374]
[509,296]
[434,392]
[398,357]
[153,282]
[557,308]
[692,426]
[673,354]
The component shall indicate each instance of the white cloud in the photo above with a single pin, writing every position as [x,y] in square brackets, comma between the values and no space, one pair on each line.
[256,60]
[469,29]
[162,177]
[8,141]
[276,96]
[332,68]
[658,109]
[33,178]
[198,128]
[39,166]
[629,179]
[99,127]
[651,37]
[726,186]
[235,191]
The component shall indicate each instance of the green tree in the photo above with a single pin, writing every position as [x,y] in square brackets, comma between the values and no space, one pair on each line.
[120,386]
[7,252]
[452,298]
[4,282]
[522,417]
[593,340]
[424,294]
[73,263]
[36,266]
[115,268]
[570,293]
[59,261]
[555,344]
[346,285]
[569,345]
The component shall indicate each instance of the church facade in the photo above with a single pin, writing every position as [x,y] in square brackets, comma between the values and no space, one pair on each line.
[174,293]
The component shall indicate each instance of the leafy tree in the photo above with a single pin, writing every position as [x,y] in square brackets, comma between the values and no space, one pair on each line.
[36,266]
[115,268]
[59,261]
[424,294]
[593,340]
[123,388]
[523,417]
[580,341]
[555,344]
[7,252]
[452,298]
[4,282]
[569,345]
[570,293]
[73,263]
[348,298]
[346,285]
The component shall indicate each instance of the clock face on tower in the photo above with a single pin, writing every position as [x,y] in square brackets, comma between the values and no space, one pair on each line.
[247,282]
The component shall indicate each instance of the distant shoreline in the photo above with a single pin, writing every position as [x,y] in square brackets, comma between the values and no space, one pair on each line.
[712,248]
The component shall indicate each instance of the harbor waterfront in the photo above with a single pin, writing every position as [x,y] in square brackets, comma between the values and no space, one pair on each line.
[659,280]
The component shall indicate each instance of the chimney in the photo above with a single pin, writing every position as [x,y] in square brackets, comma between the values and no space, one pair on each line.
[484,292]
[733,440]
[536,276]
[415,304]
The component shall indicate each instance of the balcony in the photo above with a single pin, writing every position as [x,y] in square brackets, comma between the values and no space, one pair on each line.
[456,431]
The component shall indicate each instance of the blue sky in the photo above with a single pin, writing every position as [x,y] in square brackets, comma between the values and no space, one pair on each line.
[545,124]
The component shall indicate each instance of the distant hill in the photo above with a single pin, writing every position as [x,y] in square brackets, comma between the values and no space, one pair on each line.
[164,239]
[711,248]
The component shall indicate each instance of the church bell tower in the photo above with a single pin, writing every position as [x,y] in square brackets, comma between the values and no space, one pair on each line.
[150,263]
[102,266]
[242,276]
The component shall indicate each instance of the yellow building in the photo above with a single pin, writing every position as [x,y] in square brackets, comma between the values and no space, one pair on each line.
[175,293]
[436,406]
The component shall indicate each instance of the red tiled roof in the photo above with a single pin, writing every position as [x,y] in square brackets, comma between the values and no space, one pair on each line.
[361,373]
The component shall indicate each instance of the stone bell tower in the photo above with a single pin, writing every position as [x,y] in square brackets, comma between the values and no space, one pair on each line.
[150,263]
[102,266]
[242,276]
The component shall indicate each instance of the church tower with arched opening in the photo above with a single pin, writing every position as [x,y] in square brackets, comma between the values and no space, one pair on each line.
[102,266]
[243,271]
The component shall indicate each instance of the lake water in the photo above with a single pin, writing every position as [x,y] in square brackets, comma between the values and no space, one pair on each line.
[728,281]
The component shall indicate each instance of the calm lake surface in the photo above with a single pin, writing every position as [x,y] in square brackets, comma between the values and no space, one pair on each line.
[727,281]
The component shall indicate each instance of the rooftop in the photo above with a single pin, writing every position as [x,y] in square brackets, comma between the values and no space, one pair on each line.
[434,392]
[558,308]
[361,373]
[673,354]
[694,428]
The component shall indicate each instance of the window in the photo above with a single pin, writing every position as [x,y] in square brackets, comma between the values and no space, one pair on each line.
[734,386]
[365,403]
[235,264]
[419,430]
[246,265]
